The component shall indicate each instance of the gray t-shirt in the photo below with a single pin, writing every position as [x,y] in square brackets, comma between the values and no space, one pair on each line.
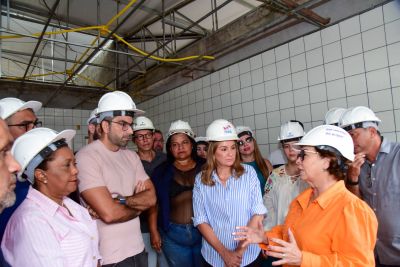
[149,167]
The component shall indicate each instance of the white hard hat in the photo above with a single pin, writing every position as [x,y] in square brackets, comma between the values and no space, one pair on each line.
[244,130]
[333,116]
[330,136]
[32,148]
[201,139]
[92,117]
[358,117]
[116,103]
[142,123]
[221,130]
[180,127]
[291,130]
[11,105]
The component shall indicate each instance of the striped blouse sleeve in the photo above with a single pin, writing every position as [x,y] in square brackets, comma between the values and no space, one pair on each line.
[257,205]
[199,211]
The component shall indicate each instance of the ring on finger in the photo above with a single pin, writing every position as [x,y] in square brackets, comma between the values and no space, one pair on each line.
[283,255]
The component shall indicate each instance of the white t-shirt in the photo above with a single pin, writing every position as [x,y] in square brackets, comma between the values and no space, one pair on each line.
[119,171]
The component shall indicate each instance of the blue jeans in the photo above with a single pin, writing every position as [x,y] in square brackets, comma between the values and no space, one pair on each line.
[181,245]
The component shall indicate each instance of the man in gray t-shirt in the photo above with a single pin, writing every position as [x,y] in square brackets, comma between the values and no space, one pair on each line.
[143,137]
[374,175]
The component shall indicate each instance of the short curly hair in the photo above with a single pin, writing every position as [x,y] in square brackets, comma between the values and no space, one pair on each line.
[337,165]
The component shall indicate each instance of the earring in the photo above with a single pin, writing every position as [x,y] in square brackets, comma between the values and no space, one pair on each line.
[45,181]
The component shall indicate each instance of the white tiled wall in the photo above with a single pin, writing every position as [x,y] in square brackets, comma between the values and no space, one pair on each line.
[355,62]
[61,119]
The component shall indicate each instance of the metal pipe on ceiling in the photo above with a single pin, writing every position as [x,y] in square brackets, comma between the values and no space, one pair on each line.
[52,12]
[66,39]
[75,44]
[202,31]
[192,25]
[13,60]
[5,51]
[139,28]
[38,21]
[270,28]
[8,14]
[94,52]
[316,21]
[300,7]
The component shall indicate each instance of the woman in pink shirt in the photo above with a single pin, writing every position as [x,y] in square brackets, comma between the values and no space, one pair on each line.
[48,228]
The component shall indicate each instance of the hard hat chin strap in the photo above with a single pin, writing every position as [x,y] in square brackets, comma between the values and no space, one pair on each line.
[29,172]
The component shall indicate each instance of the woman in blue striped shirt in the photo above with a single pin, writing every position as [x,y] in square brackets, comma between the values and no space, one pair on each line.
[226,193]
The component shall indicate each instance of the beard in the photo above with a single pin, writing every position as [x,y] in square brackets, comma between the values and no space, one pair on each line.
[119,141]
[7,200]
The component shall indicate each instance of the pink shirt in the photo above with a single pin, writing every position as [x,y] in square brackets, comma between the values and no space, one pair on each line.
[119,171]
[42,233]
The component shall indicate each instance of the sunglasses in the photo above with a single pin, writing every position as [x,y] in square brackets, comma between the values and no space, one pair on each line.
[247,140]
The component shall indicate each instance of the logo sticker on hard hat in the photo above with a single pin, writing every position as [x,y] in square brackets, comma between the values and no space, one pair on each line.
[228,129]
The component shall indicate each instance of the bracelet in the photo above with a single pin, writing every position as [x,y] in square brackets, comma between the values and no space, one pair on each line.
[352,183]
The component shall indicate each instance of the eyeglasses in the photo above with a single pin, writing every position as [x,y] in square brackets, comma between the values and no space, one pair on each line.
[303,153]
[247,140]
[125,126]
[140,137]
[28,125]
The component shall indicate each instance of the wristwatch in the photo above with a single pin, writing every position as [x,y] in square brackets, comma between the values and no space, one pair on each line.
[121,199]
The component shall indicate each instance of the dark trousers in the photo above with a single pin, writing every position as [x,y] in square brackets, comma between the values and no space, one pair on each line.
[139,260]
[256,263]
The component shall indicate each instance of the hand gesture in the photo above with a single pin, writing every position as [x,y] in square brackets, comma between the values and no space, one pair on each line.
[288,252]
[250,235]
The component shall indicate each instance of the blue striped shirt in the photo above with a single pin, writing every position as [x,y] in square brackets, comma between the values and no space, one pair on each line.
[224,208]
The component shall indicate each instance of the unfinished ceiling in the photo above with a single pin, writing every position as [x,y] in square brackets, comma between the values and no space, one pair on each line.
[67,53]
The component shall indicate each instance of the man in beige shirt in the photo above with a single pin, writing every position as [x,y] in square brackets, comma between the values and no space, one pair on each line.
[113,183]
